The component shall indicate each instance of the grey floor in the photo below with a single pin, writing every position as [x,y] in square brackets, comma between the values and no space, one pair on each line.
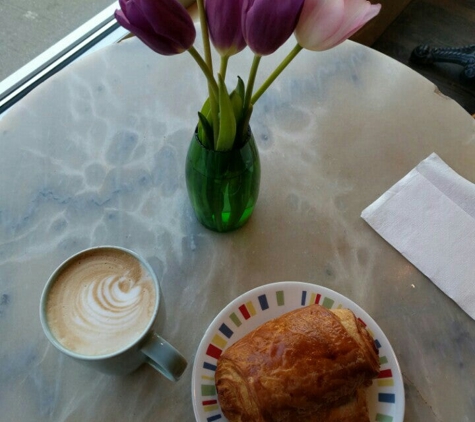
[29,27]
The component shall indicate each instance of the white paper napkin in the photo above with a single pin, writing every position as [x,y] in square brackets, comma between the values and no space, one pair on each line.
[429,216]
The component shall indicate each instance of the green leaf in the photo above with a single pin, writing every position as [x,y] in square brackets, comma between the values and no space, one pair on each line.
[240,88]
[237,98]
[205,125]
[205,131]
[239,91]
[227,121]
[237,102]
[206,108]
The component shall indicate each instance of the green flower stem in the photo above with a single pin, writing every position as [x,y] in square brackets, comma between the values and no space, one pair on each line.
[247,106]
[204,33]
[207,72]
[251,80]
[277,71]
[212,87]
[224,66]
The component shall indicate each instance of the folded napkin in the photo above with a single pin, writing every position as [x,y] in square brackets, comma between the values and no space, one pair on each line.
[429,216]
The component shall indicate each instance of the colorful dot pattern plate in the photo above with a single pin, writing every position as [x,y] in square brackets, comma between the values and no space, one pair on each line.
[247,312]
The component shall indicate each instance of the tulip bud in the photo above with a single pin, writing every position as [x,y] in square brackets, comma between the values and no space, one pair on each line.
[323,24]
[165,26]
[224,24]
[267,24]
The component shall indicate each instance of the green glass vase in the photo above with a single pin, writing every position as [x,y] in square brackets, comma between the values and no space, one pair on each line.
[223,186]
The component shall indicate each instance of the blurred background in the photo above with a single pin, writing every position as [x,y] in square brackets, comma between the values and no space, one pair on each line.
[29,27]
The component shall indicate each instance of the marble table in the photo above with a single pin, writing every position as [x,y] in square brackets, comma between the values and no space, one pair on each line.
[96,154]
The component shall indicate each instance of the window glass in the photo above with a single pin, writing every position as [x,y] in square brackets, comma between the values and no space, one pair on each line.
[29,27]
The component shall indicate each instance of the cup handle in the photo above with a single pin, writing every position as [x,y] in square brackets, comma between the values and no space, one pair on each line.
[163,357]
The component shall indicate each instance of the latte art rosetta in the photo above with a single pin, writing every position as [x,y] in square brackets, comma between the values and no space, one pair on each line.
[101,303]
[110,303]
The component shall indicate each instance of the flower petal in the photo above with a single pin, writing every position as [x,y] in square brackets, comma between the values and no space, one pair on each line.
[267,24]
[318,21]
[224,23]
[170,19]
[324,24]
[165,26]
[358,13]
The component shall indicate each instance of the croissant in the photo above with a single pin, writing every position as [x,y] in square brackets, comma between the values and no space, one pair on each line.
[351,409]
[311,364]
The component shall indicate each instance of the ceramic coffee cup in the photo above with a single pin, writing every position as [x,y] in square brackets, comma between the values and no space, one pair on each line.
[99,307]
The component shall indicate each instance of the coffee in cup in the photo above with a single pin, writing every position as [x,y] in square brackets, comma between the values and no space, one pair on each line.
[99,307]
[101,301]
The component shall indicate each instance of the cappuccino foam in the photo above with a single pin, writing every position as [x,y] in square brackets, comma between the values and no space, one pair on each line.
[101,302]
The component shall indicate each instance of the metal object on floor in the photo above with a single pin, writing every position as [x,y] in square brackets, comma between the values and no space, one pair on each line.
[463,56]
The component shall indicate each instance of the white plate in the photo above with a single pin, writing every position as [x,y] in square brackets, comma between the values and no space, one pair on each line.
[250,310]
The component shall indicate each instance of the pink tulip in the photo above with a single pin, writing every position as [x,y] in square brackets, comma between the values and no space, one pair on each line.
[324,24]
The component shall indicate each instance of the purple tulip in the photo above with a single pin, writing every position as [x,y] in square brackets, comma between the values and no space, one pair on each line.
[326,23]
[224,24]
[267,24]
[164,25]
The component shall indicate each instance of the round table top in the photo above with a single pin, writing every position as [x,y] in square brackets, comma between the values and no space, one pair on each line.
[96,155]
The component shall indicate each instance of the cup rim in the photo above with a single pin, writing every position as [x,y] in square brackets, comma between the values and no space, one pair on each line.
[52,278]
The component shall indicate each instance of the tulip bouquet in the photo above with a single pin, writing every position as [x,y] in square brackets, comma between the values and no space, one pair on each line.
[231,25]
[222,164]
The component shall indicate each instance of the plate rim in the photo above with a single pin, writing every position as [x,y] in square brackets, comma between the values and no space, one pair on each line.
[322,289]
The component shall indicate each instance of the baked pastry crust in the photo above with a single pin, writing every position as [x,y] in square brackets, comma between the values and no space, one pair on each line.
[352,409]
[298,367]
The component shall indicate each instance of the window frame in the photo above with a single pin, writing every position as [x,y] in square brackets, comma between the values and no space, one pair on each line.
[99,31]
